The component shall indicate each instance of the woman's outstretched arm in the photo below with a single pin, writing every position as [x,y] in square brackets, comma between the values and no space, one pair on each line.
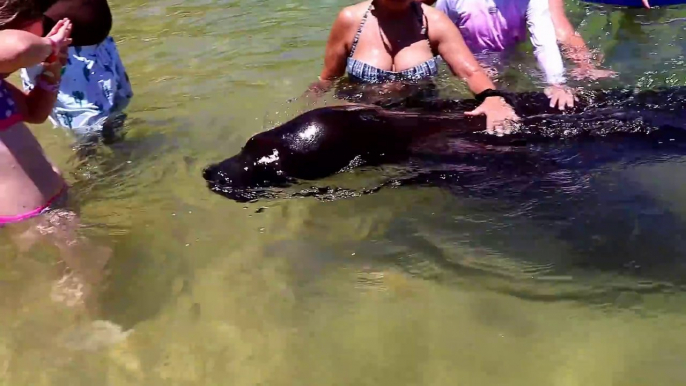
[445,36]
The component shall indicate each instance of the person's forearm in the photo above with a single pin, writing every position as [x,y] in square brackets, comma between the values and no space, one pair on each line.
[19,49]
[573,45]
[42,100]
[478,81]
[474,75]
[574,48]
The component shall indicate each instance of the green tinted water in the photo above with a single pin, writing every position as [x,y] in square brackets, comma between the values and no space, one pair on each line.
[378,290]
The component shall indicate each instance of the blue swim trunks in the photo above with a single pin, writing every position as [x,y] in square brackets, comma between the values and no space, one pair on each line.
[94,91]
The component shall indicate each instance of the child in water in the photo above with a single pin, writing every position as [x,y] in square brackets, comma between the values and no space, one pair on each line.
[95,87]
[33,193]
[497,25]
[29,183]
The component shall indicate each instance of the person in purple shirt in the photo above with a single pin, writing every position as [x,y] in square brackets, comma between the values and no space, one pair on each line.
[497,25]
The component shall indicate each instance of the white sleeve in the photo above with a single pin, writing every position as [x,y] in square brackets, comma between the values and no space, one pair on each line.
[542,30]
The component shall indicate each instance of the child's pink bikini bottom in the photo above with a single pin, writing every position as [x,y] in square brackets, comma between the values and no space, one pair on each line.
[4,220]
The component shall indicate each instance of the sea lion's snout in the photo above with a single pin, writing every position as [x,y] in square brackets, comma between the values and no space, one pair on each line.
[230,179]
[243,178]
[210,173]
[231,171]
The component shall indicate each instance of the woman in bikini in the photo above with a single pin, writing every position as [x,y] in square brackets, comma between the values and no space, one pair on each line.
[387,41]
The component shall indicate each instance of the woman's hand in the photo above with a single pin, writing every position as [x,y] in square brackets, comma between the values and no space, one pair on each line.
[560,96]
[500,116]
[316,90]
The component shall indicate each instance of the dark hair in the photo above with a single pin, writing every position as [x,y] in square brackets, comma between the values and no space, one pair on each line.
[15,14]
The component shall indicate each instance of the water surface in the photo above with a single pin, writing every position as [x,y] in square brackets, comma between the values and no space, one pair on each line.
[409,286]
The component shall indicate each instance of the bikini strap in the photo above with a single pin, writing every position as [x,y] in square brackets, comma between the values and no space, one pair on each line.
[421,18]
[359,30]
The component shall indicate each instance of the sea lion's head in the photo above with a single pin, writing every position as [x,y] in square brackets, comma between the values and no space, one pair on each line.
[247,175]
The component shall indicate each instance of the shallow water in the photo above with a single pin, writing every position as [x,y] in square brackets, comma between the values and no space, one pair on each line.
[408,286]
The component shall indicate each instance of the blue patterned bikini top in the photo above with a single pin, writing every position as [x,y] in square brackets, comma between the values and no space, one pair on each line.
[9,114]
[365,73]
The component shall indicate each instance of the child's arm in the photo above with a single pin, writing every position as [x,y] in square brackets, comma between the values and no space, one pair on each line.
[19,49]
[36,105]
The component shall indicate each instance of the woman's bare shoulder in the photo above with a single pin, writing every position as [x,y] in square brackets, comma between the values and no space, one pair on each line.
[352,15]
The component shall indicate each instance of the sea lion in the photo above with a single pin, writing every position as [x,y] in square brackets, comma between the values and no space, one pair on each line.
[562,171]
[603,126]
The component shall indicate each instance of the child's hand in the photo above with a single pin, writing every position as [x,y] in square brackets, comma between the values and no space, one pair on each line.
[60,33]
[560,96]
[59,38]
[52,66]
